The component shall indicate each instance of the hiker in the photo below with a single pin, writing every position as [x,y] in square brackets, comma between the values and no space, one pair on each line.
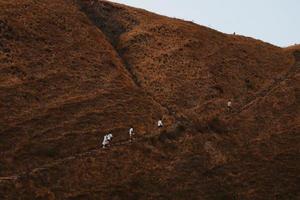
[233,33]
[131,134]
[109,137]
[160,124]
[229,106]
[105,141]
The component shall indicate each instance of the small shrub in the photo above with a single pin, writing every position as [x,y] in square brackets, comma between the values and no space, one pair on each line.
[297,55]
[216,125]
[172,134]
[180,128]
[46,152]
[201,127]
[163,136]
[2,166]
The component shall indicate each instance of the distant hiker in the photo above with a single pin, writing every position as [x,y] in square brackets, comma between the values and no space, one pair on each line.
[233,33]
[229,106]
[105,141]
[109,137]
[160,124]
[131,134]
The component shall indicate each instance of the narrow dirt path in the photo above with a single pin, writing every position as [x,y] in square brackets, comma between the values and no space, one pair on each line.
[94,151]
[76,156]
[294,69]
[265,92]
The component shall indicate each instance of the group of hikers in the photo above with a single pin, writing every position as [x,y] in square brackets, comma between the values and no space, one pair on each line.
[108,138]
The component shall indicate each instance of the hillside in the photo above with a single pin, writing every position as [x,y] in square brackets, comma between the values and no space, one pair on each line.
[62,85]
[73,70]
[294,47]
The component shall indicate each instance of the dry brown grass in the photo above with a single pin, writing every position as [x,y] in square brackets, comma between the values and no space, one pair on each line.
[70,71]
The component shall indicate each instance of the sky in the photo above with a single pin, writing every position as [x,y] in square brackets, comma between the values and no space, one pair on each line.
[273,21]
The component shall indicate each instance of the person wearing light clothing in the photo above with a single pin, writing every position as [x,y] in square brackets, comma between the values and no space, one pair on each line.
[105,142]
[229,105]
[160,123]
[131,134]
[109,137]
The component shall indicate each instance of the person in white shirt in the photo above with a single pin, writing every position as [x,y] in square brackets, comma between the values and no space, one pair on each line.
[105,142]
[160,124]
[229,105]
[109,137]
[131,134]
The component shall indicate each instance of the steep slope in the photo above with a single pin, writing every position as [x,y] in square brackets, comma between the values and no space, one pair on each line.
[62,86]
[191,69]
[119,66]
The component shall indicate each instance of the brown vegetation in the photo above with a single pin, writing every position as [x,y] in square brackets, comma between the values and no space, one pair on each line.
[72,70]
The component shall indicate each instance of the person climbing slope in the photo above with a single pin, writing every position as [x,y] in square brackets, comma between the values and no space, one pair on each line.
[109,137]
[229,106]
[105,141]
[160,123]
[131,134]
